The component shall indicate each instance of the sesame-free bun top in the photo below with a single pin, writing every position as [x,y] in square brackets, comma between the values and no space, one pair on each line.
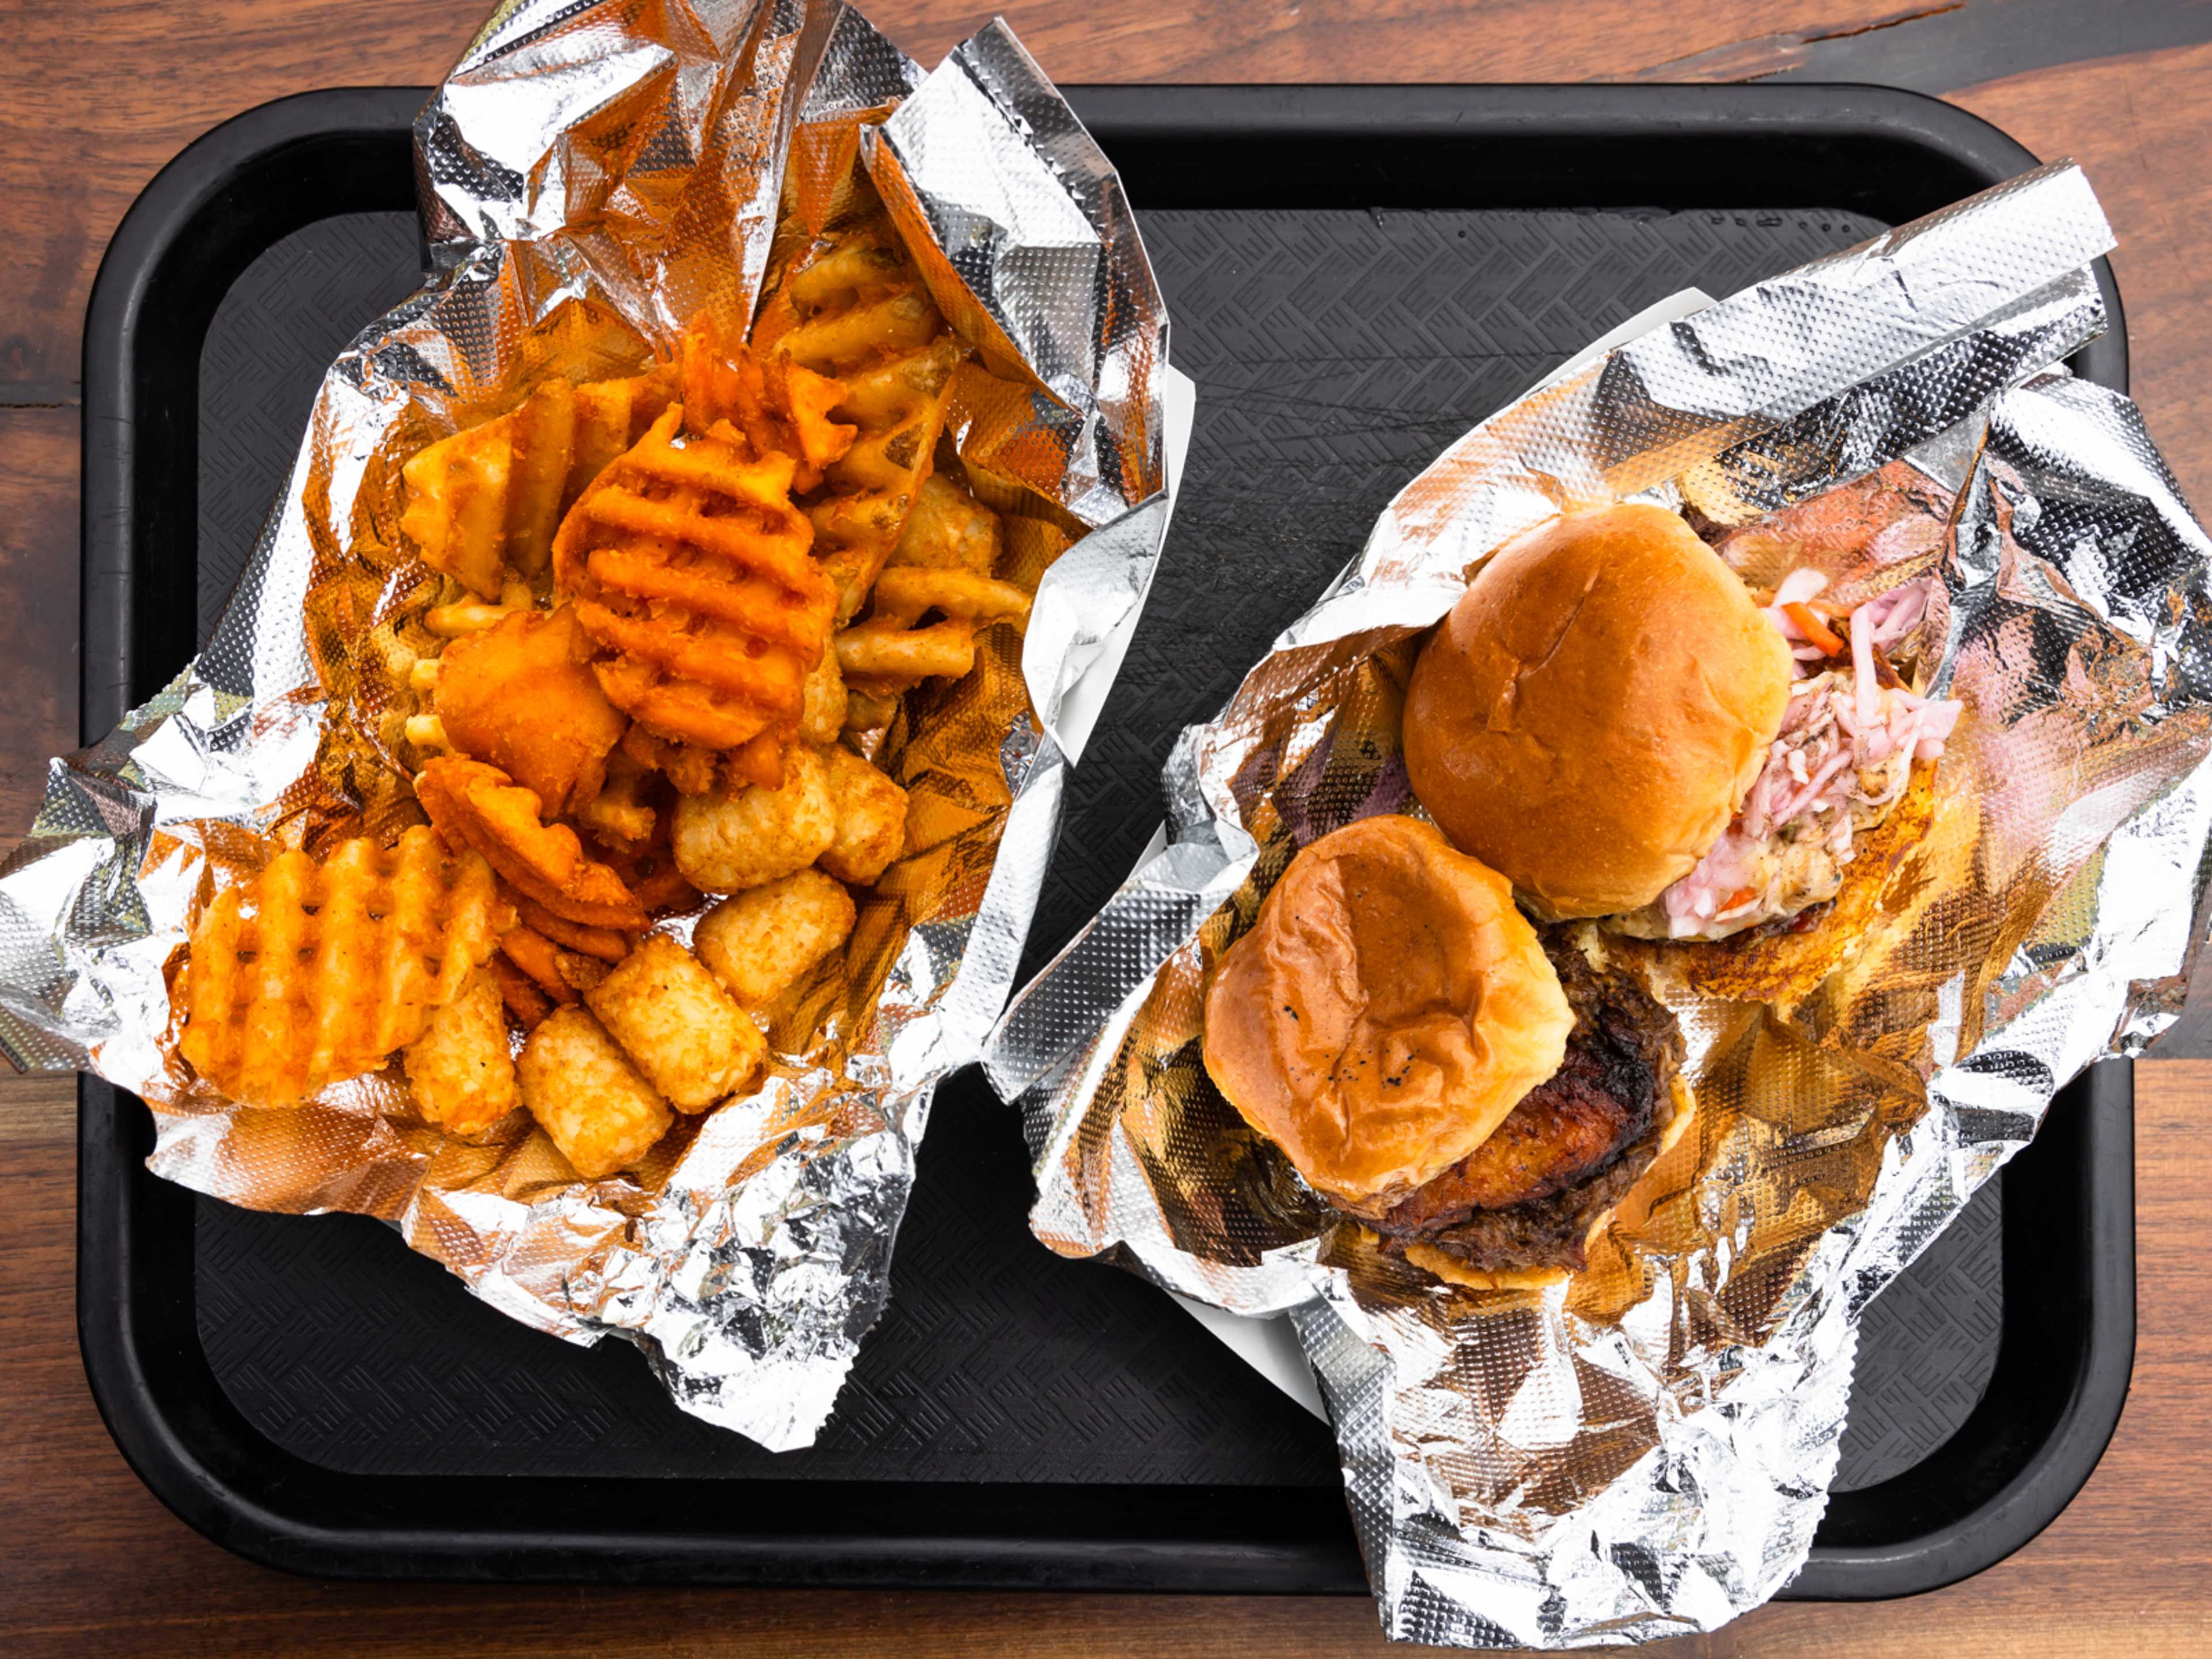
[1589,715]
[1386,1011]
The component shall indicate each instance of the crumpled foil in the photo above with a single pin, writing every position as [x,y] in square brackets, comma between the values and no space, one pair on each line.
[593,177]
[1646,1449]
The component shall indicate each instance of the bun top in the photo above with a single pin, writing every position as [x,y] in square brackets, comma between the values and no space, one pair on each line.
[1589,717]
[1387,1010]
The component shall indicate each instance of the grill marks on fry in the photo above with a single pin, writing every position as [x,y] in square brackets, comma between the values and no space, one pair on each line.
[691,572]
[309,974]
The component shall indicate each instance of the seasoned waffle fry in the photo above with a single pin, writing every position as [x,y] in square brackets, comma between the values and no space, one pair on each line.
[518,696]
[781,406]
[473,805]
[587,1096]
[690,571]
[724,842]
[487,499]
[313,972]
[759,942]
[678,1026]
[858,311]
[459,1070]
[871,819]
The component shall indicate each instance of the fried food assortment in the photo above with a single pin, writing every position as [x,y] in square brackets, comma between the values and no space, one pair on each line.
[312,972]
[661,605]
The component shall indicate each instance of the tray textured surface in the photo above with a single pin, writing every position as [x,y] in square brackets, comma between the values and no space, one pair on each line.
[1336,353]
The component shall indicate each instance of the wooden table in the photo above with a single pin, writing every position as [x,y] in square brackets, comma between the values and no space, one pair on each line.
[96,95]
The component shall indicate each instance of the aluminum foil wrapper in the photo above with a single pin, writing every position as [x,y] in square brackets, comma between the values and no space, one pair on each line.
[1645,1451]
[593,177]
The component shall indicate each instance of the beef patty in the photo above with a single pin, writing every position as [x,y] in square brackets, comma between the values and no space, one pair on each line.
[1528,1195]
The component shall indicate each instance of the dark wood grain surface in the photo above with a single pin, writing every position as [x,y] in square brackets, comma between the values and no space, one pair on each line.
[96,94]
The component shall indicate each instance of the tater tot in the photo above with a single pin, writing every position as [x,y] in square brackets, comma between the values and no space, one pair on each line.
[459,1070]
[870,815]
[759,942]
[726,841]
[678,1026]
[587,1096]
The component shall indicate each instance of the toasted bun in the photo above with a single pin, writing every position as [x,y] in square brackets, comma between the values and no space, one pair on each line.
[1441,1265]
[1387,1010]
[1589,717]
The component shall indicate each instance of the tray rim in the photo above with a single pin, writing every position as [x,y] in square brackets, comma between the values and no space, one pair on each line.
[197,1466]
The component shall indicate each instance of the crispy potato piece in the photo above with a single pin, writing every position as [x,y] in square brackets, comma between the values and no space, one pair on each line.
[760,941]
[949,529]
[888,655]
[520,697]
[604,943]
[473,805]
[611,416]
[871,819]
[587,1096]
[521,993]
[456,510]
[459,1070]
[903,596]
[311,972]
[534,954]
[678,1026]
[691,573]
[726,841]
[618,816]
[823,715]
[858,310]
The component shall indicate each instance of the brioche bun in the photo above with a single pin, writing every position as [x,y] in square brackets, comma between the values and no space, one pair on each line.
[1591,714]
[1386,1011]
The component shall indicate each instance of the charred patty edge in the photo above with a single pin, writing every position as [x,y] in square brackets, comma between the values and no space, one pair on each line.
[1638,1044]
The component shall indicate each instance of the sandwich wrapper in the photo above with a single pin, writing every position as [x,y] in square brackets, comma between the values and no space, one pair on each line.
[1646,1449]
[593,177]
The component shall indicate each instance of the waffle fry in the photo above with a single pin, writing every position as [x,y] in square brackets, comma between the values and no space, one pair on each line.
[858,311]
[310,973]
[487,499]
[479,807]
[782,407]
[691,572]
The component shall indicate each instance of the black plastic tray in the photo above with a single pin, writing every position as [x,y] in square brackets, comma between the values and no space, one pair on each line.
[1356,274]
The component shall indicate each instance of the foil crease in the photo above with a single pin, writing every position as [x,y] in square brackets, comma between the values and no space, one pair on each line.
[1646,1449]
[593,177]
